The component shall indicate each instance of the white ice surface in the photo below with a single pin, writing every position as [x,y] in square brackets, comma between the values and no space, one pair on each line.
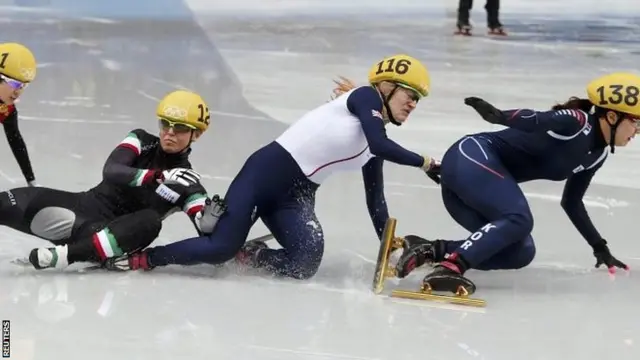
[557,308]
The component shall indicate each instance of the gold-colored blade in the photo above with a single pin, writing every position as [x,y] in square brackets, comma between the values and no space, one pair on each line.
[453,299]
[387,243]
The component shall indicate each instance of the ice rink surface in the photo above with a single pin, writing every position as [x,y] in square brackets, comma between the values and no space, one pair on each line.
[104,65]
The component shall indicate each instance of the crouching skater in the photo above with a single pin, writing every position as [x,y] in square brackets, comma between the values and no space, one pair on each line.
[481,173]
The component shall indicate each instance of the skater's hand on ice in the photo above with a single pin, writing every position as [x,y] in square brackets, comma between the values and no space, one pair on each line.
[604,257]
[488,112]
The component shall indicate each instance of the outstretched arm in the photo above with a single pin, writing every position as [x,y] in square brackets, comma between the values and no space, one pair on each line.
[18,146]
[118,168]
[366,105]
[573,205]
[562,124]
[372,176]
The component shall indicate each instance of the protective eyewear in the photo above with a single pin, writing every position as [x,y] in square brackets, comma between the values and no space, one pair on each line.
[15,84]
[178,128]
[635,121]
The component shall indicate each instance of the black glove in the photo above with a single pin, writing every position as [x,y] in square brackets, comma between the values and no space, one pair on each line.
[488,112]
[603,256]
[434,173]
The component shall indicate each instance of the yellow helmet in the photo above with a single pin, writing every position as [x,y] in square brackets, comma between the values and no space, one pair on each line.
[404,70]
[17,62]
[617,91]
[184,107]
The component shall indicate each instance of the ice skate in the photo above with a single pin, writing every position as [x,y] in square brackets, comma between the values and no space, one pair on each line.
[446,277]
[135,261]
[497,31]
[417,252]
[247,255]
[45,258]
[388,244]
[463,29]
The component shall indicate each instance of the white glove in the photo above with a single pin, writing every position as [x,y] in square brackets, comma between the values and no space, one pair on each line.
[33,183]
[182,176]
[208,217]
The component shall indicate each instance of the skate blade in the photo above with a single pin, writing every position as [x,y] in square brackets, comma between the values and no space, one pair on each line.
[388,243]
[460,298]
[24,262]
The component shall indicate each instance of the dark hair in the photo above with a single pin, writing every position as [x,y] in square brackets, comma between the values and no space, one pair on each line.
[575,103]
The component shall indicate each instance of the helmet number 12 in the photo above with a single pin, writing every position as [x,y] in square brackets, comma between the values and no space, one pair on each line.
[619,94]
[399,67]
[204,114]
[3,59]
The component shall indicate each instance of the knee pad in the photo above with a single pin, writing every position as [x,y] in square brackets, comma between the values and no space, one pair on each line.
[526,253]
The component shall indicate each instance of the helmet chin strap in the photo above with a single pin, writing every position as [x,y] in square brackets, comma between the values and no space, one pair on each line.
[614,128]
[385,103]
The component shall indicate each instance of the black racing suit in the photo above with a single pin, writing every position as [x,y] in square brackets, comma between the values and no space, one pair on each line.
[122,214]
[9,118]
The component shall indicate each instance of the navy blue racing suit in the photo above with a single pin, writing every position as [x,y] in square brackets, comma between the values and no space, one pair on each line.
[481,173]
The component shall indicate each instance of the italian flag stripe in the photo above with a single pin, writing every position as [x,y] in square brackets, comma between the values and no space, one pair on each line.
[142,177]
[106,245]
[194,203]
[132,142]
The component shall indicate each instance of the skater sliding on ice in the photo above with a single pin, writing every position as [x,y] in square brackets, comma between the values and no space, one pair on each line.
[480,174]
[18,69]
[278,182]
[145,179]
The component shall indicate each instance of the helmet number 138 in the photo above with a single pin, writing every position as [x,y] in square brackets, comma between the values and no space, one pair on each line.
[619,94]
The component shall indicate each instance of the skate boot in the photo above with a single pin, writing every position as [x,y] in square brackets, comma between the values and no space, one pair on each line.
[463,29]
[498,31]
[135,261]
[45,258]
[417,252]
[448,277]
[247,255]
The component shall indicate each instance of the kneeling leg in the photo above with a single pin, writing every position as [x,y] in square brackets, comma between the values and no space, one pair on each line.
[99,241]
[514,256]
[298,231]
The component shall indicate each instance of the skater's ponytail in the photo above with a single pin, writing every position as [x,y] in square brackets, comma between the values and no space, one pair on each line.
[575,103]
[342,86]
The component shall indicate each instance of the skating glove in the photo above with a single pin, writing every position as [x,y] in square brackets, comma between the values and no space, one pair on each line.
[207,219]
[603,256]
[182,176]
[432,169]
[488,112]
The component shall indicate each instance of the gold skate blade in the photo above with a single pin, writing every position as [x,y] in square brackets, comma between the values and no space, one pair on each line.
[388,243]
[452,299]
